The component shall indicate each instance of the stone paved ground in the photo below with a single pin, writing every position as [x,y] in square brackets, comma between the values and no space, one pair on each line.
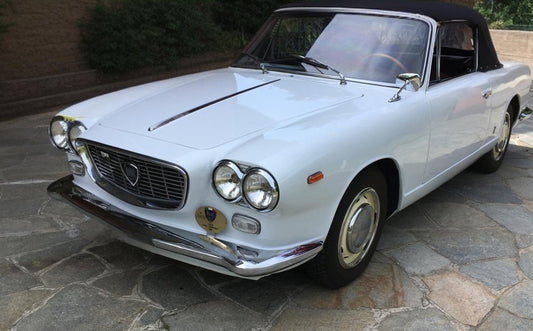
[460,259]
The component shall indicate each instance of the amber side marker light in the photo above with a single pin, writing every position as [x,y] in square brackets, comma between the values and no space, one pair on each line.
[317,176]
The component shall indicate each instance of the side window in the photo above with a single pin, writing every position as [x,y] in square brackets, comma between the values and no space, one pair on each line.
[455,52]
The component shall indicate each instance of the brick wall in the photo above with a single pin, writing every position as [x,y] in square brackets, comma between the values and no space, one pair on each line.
[41,64]
[43,40]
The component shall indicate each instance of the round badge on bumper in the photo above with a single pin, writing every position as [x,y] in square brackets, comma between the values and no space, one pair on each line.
[211,219]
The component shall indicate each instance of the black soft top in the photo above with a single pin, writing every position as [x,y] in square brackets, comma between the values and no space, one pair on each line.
[439,11]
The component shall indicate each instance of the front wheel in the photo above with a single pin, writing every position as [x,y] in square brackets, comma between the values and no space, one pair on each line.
[491,161]
[354,233]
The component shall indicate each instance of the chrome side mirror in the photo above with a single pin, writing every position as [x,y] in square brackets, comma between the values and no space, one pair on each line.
[407,81]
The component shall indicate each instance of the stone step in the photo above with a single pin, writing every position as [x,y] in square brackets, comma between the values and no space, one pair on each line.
[20,89]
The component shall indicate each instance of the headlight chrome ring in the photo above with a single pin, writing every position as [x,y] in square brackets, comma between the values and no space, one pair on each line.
[260,189]
[256,186]
[58,132]
[64,132]
[227,181]
[75,130]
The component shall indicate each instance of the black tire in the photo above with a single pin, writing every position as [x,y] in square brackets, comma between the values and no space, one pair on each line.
[363,207]
[491,161]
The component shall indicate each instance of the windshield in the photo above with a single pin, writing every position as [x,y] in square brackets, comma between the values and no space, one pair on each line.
[363,47]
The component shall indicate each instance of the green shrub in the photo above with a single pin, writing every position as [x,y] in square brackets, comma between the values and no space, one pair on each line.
[242,18]
[501,14]
[122,35]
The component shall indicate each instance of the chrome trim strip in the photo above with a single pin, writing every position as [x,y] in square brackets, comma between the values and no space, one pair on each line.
[188,112]
[438,49]
[184,245]
[378,12]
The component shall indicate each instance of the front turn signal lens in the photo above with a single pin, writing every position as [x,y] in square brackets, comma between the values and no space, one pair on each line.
[246,224]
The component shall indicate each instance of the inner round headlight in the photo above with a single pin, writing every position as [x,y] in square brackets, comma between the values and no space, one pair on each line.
[227,181]
[59,132]
[75,131]
[260,189]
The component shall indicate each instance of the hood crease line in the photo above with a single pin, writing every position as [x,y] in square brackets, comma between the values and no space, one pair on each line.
[188,112]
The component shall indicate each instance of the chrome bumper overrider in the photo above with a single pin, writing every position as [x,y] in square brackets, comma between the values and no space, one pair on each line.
[202,250]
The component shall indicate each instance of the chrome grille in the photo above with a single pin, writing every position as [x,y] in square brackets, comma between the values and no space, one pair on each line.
[160,185]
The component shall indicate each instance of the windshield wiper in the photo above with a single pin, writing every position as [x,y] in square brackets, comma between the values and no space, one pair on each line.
[259,61]
[317,64]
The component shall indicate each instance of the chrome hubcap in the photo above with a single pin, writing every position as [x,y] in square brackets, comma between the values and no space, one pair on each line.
[359,228]
[501,145]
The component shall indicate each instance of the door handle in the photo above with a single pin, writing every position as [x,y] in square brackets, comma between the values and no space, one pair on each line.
[486,94]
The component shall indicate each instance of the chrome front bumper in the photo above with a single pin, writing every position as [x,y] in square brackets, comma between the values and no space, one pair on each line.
[202,250]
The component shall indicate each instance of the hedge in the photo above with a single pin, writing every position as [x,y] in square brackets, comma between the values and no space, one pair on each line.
[122,35]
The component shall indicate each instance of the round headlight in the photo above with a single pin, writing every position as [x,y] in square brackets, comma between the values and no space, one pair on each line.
[260,189]
[75,131]
[227,181]
[59,132]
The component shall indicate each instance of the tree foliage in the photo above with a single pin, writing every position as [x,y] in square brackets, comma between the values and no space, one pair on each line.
[243,17]
[505,13]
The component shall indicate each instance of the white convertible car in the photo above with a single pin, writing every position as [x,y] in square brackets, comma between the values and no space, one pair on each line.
[337,115]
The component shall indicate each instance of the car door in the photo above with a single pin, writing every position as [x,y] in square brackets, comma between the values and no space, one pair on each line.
[459,99]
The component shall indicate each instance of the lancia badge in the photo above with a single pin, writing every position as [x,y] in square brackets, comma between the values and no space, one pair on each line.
[210,214]
[105,155]
[131,172]
[211,219]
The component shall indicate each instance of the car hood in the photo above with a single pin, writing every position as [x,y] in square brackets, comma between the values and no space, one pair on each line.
[206,110]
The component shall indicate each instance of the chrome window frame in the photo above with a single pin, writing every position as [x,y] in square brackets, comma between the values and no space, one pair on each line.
[438,46]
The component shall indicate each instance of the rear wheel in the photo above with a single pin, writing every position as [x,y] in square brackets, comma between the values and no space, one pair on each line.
[491,161]
[354,233]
